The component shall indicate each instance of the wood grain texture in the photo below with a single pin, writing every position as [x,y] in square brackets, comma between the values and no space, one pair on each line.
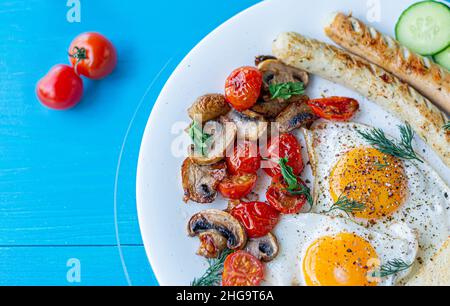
[58,169]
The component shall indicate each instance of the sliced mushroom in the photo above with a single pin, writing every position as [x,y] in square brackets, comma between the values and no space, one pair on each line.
[222,136]
[219,222]
[209,107]
[270,108]
[212,244]
[296,115]
[265,248]
[250,125]
[261,58]
[276,72]
[200,182]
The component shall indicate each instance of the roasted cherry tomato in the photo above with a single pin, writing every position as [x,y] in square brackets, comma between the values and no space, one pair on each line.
[258,218]
[282,200]
[242,269]
[93,55]
[285,146]
[61,88]
[244,159]
[236,187]
[243,88]
[334,108]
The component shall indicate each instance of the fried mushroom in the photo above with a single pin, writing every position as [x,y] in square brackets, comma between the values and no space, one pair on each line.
[222,137]
[200,182]
[265,248]
[215,225]
[208,107]
[295,116]
[250,125]
[276,72]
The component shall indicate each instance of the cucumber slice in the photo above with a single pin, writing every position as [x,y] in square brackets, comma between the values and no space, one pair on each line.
[443,58]
[425,27]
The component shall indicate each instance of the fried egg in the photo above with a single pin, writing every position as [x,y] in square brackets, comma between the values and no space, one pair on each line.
[319,250]
[349,171]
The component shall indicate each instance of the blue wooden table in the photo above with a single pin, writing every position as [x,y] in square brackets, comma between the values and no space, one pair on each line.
[67,179]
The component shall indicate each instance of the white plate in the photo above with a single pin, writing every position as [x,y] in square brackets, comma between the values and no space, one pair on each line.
[162,214]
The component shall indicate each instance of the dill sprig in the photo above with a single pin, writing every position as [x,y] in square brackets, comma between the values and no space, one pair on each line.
[348,206]
[392,267]
[402,149]
[213,275]
[285,91]
[199,138]
[381,166]
[294,187]
[447,126]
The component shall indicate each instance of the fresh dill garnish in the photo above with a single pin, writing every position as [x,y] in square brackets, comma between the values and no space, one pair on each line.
[285,91]
[447,126]
[402,149]
[213,275]
[348,206]
[392,267]
[199,138]
[294,187]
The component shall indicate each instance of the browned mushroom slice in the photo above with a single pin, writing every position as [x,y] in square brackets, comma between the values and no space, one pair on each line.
[219,222]
[271,108]
[275,72]
[250,125]
[265,248]
[296,115]
[222,137]
[200,182]
[208,107]
[261,58]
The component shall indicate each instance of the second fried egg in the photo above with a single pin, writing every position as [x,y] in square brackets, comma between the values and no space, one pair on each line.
[357,181]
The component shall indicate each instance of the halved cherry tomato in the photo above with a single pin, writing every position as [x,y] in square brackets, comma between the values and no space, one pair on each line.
[243,87]
[282,200]
[258,218]
[93,55]
[285,146]
[334,108]
[242,269]
[244,159]
[61,88]
[236,187]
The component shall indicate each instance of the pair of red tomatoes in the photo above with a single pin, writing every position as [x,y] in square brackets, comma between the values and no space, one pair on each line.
[91,55]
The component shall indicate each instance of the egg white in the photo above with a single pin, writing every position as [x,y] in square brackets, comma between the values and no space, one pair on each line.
[297,232]
[427,207]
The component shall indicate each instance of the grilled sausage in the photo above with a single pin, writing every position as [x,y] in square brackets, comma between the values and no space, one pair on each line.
[371,81]
[430,79]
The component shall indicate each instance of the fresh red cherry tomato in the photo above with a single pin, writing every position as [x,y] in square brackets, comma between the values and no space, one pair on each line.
[243,88]
[242,269]
[61,88]
[282,200]
[93,55]
[285,146]
[258,218]
[244,159]
[236,187]
[334,108]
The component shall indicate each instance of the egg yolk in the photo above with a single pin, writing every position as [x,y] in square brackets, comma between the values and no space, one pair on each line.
[371,178]
[342,260]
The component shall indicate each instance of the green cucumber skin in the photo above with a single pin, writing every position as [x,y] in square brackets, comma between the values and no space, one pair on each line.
[446,65]
[409,8]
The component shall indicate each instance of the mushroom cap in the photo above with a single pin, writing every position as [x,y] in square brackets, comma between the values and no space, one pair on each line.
[276,72]
[296,115]
[208,107]
[250,125]
[200,182]
[265,248]
[220,222]
[223,136]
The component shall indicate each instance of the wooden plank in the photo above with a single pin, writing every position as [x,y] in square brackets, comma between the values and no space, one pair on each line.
[57,169]
[53,266]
